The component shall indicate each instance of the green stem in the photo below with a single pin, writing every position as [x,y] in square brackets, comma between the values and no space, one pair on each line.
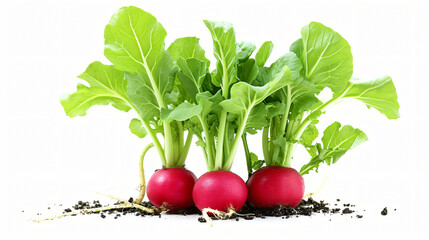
[275,159]
[228,164]
[222,122]
[178,143]
[290,150]
[185,151]
[289,128]
[181,134]
[266,146]
[142,188]
[168,146]
[209,143]
[286,114]
[272,138]
[247,154]
[226,143]
[220,140]
[277,133]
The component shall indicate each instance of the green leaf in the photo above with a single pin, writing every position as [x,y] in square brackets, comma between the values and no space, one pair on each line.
[264,53]
[312,150]
[208,85]
[245,50]
[344,139]
[187,47]
[224,45]
[134,39]
[107,86]
[245,96]
[297,47]
[134,42]
[336,143]
[149,98]
[379,94]
[292,61]
[266,75]
[326,57]
[247,71]
[181,113]
[256,163]
[257,120]
[309,135]
[137,128]
[210,103]
[275,109]
[191,75]
[303,94]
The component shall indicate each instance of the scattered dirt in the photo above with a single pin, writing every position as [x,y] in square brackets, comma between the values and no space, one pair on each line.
[384,212]
[304,209]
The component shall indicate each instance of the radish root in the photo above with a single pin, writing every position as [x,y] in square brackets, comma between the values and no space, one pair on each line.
[142,188]
[218,214]
[307,195]
[120,204]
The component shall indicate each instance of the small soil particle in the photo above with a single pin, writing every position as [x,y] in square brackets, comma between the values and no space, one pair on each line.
[103,216]
[359,216]
[384,212]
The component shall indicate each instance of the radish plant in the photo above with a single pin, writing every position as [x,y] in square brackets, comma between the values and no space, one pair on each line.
[320,59]
[175,96]
[142,79]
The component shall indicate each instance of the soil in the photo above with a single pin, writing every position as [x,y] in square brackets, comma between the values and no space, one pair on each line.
[304,209]
[384,212]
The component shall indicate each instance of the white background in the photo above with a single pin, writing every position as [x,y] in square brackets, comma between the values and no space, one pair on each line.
[48,158]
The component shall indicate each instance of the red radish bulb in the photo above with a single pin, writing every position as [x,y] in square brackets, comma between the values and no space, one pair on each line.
[171,187]
[220,190]
[274,186]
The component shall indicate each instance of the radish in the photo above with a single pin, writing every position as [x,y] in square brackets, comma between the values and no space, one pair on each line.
[274,186]
[220,190]
[171,188]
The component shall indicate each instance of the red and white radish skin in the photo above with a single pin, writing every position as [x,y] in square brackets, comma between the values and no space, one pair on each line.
[171,188]
[273,186]
[220,190]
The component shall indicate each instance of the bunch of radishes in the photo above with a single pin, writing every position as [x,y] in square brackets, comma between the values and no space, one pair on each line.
[176,96]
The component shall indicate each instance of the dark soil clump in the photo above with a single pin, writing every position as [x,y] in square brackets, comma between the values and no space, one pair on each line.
[384,212]
[190,211]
